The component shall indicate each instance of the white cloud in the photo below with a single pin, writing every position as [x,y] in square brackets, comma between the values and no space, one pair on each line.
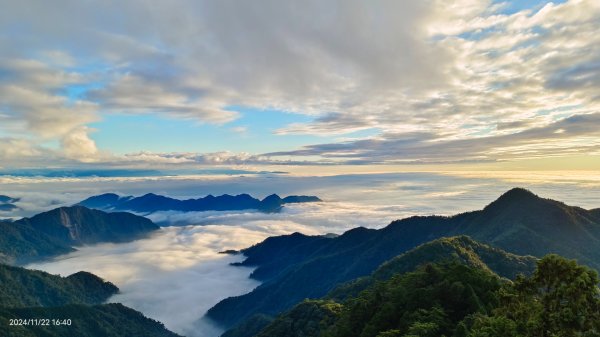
[78,145]
[445,69]
[32,111]
[177,274]
[174,276]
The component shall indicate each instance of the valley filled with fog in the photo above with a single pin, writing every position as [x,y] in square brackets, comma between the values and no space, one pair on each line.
[177,273]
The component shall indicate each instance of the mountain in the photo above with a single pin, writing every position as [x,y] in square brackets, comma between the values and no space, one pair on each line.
[461,249]
[31,294]
[6,203]
[106,200]
[431,300]
[451,298]
[297,266]
[55,232]
[292,199]
[20,287]
[79,225]
[106,320]
[20,244]
[152,202]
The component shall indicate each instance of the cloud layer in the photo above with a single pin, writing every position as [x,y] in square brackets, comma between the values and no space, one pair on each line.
[177,274]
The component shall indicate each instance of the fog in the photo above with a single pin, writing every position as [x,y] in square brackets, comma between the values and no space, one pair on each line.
[177,274]
[173,276]
[414,192]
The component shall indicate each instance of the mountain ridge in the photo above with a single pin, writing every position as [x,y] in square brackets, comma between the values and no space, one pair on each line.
[151,202]
[57,231]
[549,226]
[460,250]
[20,287]
[7,203]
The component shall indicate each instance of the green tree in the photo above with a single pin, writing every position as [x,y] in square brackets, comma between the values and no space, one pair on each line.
[561,299]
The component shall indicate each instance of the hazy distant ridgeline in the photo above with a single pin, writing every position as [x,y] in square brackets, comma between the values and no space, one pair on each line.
[294,267]
[7,203]
[152,202]
[502,240]
[55,232]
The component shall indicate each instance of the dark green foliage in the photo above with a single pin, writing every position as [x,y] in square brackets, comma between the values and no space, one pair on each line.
[460,248]
[304,320]
[299,267]
[35,294]
[108,320]
[249,327]
[21,287]
[21,244]
[430,301]
[453,299]
[560,299]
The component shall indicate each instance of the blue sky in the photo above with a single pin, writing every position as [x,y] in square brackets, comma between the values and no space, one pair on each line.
[195,84]
[512,7]
[254,131]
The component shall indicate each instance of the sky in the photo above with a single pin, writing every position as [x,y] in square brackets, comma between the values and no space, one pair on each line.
[468,84]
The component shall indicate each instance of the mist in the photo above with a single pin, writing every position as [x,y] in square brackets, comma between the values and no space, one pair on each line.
[177,274]
[412,192]
[174,276]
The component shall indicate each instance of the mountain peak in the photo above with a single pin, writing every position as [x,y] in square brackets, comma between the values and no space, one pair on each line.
[518,192]
[150,195]
[514,197]
[151,202]
[272,197]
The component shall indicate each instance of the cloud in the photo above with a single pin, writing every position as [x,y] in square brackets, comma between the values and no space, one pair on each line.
[138,94]
[509,73]
[214,158]
[573,135]
[175,275]
[78,145]
[458,71]
[31,106]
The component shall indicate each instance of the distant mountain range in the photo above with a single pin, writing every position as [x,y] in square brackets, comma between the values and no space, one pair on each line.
[361,272]
[55,232]
[7,203]
[295,267]
[152,202]
[30,294]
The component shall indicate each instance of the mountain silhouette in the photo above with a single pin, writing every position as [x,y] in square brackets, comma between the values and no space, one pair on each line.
[294,267]
[153,202]
[55,232]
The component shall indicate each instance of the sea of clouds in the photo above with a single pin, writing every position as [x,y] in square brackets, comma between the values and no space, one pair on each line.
[177,274]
